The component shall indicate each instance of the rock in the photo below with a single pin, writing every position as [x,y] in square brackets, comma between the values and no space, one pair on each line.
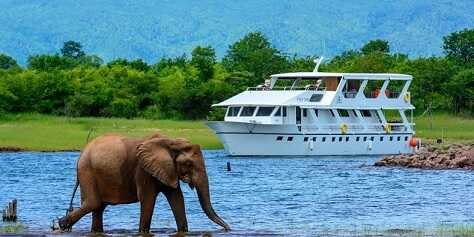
[454,156]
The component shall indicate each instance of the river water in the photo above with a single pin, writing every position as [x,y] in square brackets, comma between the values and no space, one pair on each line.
[261,196]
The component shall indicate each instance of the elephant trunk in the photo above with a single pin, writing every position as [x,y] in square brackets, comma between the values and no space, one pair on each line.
[205,201]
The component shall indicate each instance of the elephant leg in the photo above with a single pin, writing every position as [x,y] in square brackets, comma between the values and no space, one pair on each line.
[147,204]
[90,202]
[176,201]
[97,224]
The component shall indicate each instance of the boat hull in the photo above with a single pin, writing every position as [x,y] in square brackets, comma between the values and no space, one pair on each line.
[244,139]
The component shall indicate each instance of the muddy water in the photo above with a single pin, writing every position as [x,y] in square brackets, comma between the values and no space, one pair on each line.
[261,196]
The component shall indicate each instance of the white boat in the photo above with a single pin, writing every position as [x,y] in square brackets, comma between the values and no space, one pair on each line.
[320,113]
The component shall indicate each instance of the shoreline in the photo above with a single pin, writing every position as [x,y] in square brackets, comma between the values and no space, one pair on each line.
[454,156]
[18,149]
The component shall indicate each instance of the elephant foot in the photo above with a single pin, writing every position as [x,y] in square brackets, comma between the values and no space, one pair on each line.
[64,224]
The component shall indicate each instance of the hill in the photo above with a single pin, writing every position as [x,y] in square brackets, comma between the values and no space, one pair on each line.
[153,29]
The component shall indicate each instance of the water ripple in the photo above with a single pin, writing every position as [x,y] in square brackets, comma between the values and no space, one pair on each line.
[260,196]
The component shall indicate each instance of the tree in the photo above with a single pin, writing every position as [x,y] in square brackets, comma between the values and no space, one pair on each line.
[7,98]
[50,91]
[305,64]
[430,75]
[50,62]
[204,58]
[140,65]
[461,90]
[341,62]
[118,61]
[459,47]
[137,64]
[90,61]
[72,49]
[7,62]
[164,63]
[377,45]
[256,55]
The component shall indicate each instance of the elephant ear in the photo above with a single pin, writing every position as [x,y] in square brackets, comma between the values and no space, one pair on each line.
[157,157]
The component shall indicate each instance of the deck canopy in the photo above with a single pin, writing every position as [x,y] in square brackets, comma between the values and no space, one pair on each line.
[330,75]
[275,98]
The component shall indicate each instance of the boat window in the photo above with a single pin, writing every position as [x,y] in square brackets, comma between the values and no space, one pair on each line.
[278,112]
[357,139]
[381,139]
[265,111]
[347,139]
[351,88]
[366,113]
[391,138]
[284,111]
[372,138]
[398,138]
[305,113]
[233,111]
[365,139]
[290,139]
[314,139]
[247,112]
[306,139]
[316,98]
[406,138]
[392,116]
[333,139]
[316,112]
[394,88]
[340,139]
[324,139]
[279,138]
[343,112]
[372,89]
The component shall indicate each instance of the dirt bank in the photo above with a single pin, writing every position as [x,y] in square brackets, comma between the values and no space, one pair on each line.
[10,149]
[448,156]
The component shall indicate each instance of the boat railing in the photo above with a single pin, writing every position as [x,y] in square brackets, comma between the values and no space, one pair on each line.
[374,94]
[284,88]
[395,127]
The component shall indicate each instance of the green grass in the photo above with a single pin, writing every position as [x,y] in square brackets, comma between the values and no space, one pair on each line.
[458,230]
[14,228]
[452,128]
[48,133]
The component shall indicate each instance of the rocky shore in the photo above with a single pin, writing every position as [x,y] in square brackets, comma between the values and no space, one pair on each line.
[431,156]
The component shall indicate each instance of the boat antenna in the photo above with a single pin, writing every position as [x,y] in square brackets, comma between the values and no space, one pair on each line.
[318,62]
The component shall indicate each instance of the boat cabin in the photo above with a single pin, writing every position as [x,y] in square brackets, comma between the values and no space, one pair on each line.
[320,100]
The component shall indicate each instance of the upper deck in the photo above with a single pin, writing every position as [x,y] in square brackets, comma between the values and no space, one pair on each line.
[329,90]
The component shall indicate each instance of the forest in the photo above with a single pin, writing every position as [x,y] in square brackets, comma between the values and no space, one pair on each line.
[77,84]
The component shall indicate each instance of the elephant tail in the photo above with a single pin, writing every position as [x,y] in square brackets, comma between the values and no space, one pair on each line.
[72,197]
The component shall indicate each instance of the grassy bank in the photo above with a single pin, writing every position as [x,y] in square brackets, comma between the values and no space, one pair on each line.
[45,132]
[451,128]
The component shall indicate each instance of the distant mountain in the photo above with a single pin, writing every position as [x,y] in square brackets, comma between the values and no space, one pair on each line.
[155,28]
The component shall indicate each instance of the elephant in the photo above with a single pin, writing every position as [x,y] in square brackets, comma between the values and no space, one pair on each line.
[114,169]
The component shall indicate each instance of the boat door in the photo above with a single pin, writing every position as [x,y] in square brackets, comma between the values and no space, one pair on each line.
[298,115]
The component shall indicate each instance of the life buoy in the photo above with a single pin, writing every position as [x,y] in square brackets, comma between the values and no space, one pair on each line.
[344,128]
[388,128]
[413,142]
[407,97]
